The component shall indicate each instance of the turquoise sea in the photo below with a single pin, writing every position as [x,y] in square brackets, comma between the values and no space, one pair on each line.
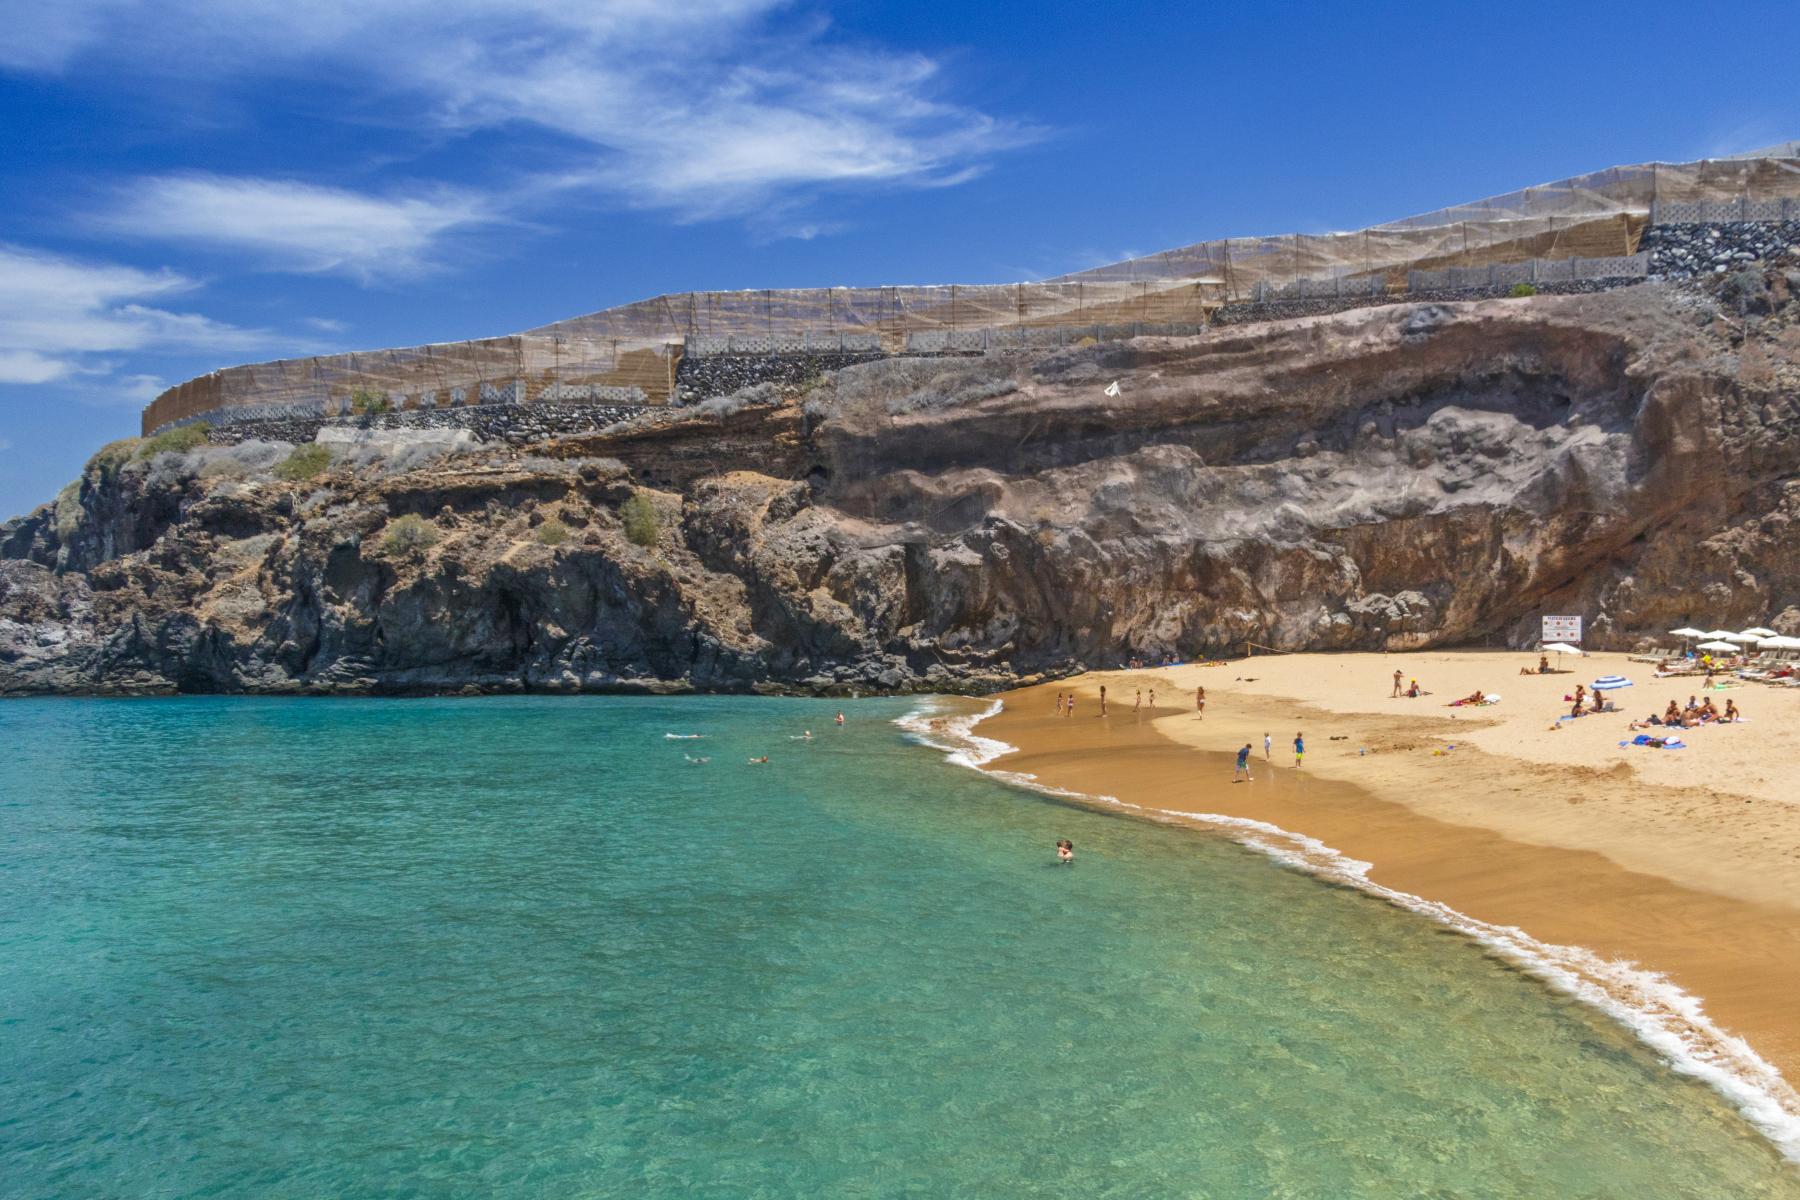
[522,948]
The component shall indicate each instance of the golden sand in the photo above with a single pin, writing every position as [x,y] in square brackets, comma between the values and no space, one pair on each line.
[1683,861]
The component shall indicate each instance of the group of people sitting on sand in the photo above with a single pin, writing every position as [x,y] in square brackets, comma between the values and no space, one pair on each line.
[1696,712]
[1584,704]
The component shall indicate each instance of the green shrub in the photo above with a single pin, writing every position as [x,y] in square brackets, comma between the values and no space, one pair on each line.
[1522,290]
[365,403]
[553,532]
[181,438]
[306,462]
[642,522]
[68,511]
[109,458]
[409,533]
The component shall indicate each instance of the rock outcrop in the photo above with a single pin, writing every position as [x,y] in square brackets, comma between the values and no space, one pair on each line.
[1403,476]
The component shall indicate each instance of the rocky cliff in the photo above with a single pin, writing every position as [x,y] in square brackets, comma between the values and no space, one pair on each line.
[1402,476]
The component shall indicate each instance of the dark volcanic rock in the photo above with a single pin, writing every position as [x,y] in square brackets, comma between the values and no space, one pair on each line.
[1402,476]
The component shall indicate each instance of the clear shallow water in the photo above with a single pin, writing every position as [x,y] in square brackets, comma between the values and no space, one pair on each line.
[518,947]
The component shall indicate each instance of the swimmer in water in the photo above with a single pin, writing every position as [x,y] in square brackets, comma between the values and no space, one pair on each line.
[840,718]
[1065,851]
[760,762]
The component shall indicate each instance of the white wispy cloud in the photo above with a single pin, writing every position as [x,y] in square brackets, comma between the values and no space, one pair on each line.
[140,389]
[703,109]
[295,226]
[62,317]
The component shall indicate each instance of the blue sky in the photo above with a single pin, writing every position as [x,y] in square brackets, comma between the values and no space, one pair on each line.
[195,183]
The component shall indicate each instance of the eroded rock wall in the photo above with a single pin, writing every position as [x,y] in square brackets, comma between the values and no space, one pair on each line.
[1404,476]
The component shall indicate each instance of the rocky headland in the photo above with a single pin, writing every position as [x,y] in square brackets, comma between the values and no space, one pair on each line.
[1404,476]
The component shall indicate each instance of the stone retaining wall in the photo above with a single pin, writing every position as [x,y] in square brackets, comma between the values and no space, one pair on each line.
[1685,251]
[1283,310]
[701,377]
[515,424]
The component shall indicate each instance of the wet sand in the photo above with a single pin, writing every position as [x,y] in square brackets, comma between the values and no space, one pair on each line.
[1682,862]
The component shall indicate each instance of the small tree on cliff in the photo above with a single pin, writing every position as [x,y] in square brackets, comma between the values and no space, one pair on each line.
[365,403]
[642,523]
[408,534]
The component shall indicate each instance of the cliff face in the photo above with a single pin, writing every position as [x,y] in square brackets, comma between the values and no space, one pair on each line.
[1400,477]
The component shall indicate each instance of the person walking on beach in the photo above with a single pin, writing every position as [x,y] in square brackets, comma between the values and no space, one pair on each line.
[1071,711]
[1243,766]
[1152,699]
[1200,704]
[1396,682]
[1268,747]
[1137,700]
[1299,750]
[1103,699]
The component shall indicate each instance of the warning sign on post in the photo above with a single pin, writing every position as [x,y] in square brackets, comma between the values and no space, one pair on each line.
[1562,629]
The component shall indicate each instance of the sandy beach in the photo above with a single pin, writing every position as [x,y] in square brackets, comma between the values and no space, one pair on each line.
[1679,861]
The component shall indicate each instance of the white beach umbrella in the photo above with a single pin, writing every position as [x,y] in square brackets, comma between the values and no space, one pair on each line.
[1758,632]
[1744,638]
[1561,647]
[1717,635]
[1687,631]
[1719,646]
[1607,683]
[1778,642]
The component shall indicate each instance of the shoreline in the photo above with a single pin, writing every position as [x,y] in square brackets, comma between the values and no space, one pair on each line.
[1697,958]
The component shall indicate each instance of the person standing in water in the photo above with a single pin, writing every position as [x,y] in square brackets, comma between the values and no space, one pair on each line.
[1243,766]
[1268,747]
[1299,749]
[1065,852]
[840,719]
[1152,699]
[1137,699]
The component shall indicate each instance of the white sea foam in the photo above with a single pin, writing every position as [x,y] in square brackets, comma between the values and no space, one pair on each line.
[1670,1021]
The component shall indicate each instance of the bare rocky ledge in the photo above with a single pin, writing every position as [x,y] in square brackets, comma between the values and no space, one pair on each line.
[1404,476]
